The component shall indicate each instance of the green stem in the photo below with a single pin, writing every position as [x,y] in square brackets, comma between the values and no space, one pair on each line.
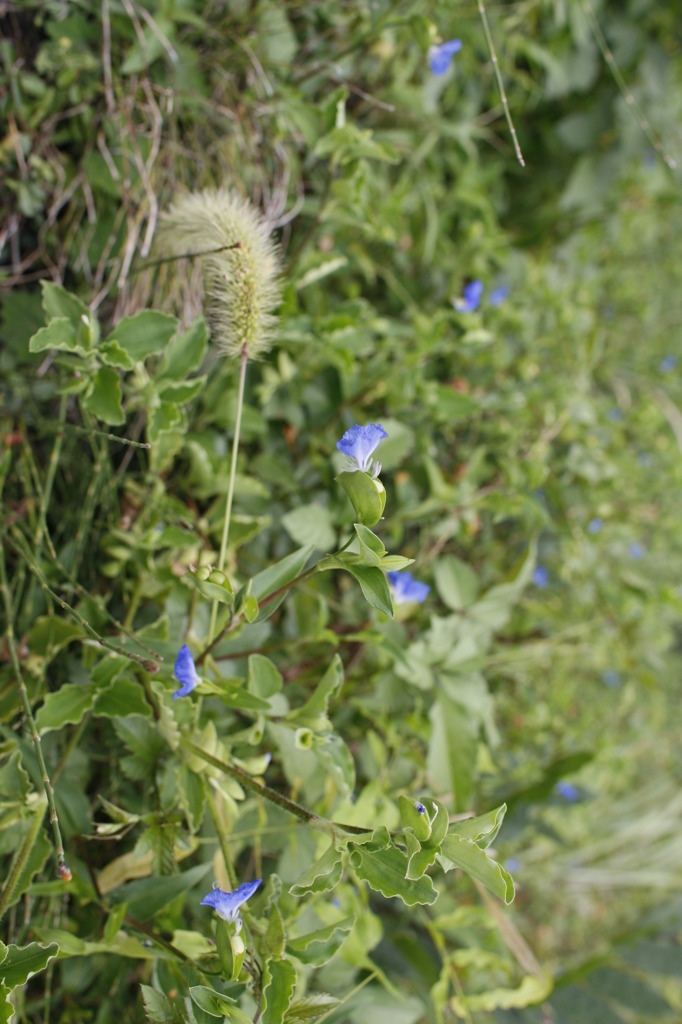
[148,664]
[20,859]
[315,821]
[500,83]
[222,838]
[63,870]
[230,489]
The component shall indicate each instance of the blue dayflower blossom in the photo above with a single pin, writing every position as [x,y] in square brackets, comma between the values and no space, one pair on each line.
[472,292]
[227,904]
[420,809]
[185,672]
[610,677]
[595,525]
[407,588]
[540,576]
[615,415]
[498,295]
[567,791]
[512,864]
[635,550]
[359,443]
[440,56]
[668,364]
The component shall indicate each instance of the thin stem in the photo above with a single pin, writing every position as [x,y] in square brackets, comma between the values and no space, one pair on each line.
[632,103]
[148,664]
[500,83]
[63,871]
[230,489]
[315,821]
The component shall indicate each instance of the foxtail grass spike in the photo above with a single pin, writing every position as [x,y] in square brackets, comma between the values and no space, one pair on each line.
[241,265]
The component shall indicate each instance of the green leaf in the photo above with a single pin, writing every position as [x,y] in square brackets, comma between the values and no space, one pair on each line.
[22,962]
[411,818]
[322,876]
[274,939]
[146,896]
[57,302]
[313,714]
[320,946]
[384,867]
[58,334]
[279,982]
[123,697]
[185,353]
[265,679]
[111,353]
[337,759]
[452,749]
[275,577]
[183,391]
[534,989]
[310,524]
[367,496]
[372,582]
[371,548]
[67,706]
[158,1007]
[464,853]
[144,334]
[213,585]
[103,399]
[210,1001]
[456,583]
[481,830]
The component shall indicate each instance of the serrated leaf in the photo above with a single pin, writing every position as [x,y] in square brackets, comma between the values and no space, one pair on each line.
[185,352]
[534,989]
[464,853]
[210,1001]
[322,876]
[158,1008]
[313,714]
[279,983]
[482,829]
[22,962]
[57,302]
[144,334]
[123,697]
[66,706]
[103,400]
[58,334]
[320,946]
[384,867]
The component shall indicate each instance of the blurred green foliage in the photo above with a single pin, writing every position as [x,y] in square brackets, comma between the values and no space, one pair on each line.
[541,433]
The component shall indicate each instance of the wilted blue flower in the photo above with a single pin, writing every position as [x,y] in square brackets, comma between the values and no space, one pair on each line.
[635,550]
[472,293]
[540,576]
[667,364]
[407,588]
[595,525]
[185,672]
[567,791]
[498,295]
[440,56]
[610,677]
[358,443]
[227,904]
[420,808]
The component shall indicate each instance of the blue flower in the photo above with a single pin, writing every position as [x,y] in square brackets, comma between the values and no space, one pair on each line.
[472,293]
[615,414]
[635,550]
[440,56]
[498,295]
[227,904]
[512,864]
[420,809]
[540,576]
[595,525]
[407,588]
[645,460]
[358,443]
[567,791]
[185,672]
[610,677]
[667,364]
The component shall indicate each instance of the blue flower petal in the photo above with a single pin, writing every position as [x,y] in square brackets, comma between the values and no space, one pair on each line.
[407,588]
[440,56]
[635,550]
[472,293]
[359,443]
[567,791]
[540,576]
[185,672]
[227,904]
[595,525]
[610,677]
[668,364]
[498,295]
[420,808]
